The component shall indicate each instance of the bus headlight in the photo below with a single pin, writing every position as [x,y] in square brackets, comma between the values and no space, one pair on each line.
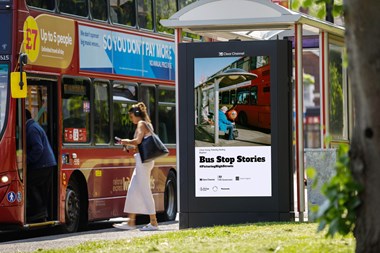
[4,179]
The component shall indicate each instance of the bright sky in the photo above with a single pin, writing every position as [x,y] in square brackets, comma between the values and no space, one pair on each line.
[205,67]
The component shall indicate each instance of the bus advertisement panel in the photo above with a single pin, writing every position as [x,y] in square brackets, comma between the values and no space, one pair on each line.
[125,54]
[48,44]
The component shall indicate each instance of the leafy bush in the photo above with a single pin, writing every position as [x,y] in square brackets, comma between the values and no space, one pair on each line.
[338,212]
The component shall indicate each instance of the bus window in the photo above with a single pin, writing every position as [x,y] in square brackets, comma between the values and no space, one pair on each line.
[43,4]
[254,95]
[243,97]
[145,14]
[75,7]
[225,98]
[101,113]
[37,103]
[258,62]
[124,96]
[148,97]
[166,115]
[244,63]
[98,9]
[76,110]
[165,9]
[232,97]
[123,12]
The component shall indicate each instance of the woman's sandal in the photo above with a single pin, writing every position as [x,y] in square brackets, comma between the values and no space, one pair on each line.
[149,227]
[124,226]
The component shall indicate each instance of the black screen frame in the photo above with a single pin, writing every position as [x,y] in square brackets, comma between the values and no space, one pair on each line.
[208,211]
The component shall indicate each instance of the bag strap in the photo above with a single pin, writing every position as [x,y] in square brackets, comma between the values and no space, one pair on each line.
[148,126]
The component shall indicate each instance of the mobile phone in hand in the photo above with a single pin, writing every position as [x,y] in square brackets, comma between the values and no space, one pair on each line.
[118,141]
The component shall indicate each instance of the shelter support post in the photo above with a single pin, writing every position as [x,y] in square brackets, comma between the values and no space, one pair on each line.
[324,53]
[299,123]
[177,40]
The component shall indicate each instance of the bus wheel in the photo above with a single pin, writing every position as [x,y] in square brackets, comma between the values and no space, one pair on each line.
[243,119]
[170,197]
[72,207]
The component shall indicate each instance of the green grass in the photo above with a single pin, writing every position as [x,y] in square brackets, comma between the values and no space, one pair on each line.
[259,237]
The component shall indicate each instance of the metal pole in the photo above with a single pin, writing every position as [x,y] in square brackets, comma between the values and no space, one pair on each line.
[178,39]
[324,86]
[299,123]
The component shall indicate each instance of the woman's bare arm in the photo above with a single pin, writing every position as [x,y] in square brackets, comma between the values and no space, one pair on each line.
[141,131]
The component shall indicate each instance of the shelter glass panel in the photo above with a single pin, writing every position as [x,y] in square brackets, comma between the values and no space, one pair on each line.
[338,94]
[311,98]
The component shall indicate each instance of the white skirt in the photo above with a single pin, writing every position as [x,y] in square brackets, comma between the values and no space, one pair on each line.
[139,198]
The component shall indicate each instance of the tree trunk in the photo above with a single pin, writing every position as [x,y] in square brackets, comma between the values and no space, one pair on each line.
[362,21]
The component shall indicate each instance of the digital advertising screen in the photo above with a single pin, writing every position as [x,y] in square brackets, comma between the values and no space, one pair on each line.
[235,137]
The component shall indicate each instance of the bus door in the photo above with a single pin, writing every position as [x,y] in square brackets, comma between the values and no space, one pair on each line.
[41,101]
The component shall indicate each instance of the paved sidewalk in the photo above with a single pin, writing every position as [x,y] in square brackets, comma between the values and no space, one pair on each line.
[67,240]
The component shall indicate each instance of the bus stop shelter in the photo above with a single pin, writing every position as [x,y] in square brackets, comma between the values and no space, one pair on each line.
[224,20]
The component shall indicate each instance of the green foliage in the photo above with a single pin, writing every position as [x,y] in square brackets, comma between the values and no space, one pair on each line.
[164,10]
[317,8]
[312,174]
[308,79]
[338,211]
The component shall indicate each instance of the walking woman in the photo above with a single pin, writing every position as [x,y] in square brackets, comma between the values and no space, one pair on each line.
[139,198]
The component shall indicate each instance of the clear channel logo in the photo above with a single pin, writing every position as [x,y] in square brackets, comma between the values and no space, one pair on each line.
[231,53]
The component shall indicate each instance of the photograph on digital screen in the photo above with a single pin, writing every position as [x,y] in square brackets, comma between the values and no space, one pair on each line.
[232,101]
[232,127]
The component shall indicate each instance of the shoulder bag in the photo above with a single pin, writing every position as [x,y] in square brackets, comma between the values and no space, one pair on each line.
[151,147]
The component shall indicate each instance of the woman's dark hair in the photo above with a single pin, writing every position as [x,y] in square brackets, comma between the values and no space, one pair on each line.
[139,110]
[28,115]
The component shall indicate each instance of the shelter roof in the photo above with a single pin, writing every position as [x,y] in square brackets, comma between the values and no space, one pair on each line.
[244,19]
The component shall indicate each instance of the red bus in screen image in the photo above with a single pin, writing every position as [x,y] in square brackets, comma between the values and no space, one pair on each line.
[250,100]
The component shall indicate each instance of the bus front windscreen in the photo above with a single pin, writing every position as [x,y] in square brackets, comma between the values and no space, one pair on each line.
[4,72]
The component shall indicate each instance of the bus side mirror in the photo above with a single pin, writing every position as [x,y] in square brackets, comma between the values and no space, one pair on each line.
[18,80]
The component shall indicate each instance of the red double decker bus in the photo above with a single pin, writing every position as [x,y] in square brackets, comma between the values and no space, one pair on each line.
[86,62]
[250,100]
